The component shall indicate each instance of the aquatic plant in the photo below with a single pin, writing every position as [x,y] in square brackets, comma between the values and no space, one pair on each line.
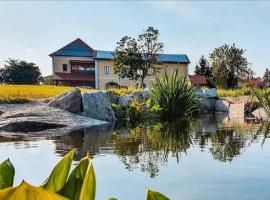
[174,95]
[80,184]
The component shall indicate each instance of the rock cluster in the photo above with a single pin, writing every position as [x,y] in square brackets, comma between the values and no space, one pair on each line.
[70,101]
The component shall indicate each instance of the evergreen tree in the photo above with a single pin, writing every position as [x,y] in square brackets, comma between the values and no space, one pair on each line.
[203,69]
[266,75]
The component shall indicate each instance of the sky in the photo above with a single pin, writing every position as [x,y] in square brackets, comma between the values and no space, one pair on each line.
[32,30]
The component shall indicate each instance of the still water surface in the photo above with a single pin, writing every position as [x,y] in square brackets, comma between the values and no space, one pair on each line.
[185,160]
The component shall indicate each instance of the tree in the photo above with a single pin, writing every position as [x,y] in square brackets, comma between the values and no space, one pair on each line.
[266,75]
[229,66]
[20,72]
[203,69]
[47,80]
[137,58]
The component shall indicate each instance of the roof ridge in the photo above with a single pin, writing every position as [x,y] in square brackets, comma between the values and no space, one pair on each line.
[76,41]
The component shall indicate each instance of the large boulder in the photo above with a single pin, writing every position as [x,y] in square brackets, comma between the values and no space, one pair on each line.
[70,101]
[207,93]
[208,104]
[42,119]
[125,100]
[141,96]
[222,105]
[260,113]
[98,106]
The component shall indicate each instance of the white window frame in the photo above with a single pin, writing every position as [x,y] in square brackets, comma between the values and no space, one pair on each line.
[106,70]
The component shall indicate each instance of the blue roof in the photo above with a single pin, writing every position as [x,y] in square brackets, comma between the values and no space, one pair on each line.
[76,48]
[175,58]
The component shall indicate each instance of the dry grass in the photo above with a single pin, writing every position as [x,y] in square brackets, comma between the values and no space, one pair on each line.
[27,93]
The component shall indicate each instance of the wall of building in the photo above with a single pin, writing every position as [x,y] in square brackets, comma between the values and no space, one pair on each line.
[58,62]
[111,77]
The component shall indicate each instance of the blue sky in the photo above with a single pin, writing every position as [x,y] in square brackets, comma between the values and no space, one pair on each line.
[31,30]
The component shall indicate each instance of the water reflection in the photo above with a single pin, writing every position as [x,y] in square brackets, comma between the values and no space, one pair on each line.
[148,147]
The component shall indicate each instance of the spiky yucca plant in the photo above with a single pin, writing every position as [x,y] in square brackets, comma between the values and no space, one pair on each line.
[174,95]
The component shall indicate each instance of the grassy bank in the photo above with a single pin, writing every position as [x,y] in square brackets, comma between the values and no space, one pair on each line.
[27,93]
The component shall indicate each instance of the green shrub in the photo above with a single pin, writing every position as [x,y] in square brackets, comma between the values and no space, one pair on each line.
[174,96]
[136,111]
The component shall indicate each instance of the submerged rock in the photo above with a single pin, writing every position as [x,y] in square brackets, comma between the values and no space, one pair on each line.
[70,101]
[97,105]
[33,118]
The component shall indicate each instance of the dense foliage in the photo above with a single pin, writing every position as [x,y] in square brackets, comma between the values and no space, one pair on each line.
[229,66]
[80,184]
[266,74]
[174,96]
[137,58]
[203,68]
[20,72]
[47,80]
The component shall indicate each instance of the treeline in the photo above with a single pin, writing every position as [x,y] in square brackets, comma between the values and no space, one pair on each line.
[226,67]
[22,72]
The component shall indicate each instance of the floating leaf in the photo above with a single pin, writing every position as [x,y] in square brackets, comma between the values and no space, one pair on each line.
[89,184]
[153,195]
[112,198]
[26,191]
[59,175]
[72,188]
[7,173]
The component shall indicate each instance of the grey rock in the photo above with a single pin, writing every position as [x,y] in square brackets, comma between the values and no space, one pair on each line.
[141,96]
[207,104]
[113,97]
[70,101]
[260,113]
[125,100]
[42,119]
[207,93]
[222,105]
[97,105]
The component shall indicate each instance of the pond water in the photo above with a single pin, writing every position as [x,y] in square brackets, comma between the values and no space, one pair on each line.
[197,160]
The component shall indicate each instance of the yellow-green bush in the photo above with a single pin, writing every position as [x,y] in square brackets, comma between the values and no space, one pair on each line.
[123,91]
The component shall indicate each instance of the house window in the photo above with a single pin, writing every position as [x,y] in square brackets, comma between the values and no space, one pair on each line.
[64,67]
[106,69]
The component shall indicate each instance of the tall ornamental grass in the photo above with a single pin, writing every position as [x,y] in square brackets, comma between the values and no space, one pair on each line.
[174,95]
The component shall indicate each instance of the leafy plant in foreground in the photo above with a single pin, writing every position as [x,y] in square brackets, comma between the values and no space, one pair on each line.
[174,96]
[264,99]
[79,185]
